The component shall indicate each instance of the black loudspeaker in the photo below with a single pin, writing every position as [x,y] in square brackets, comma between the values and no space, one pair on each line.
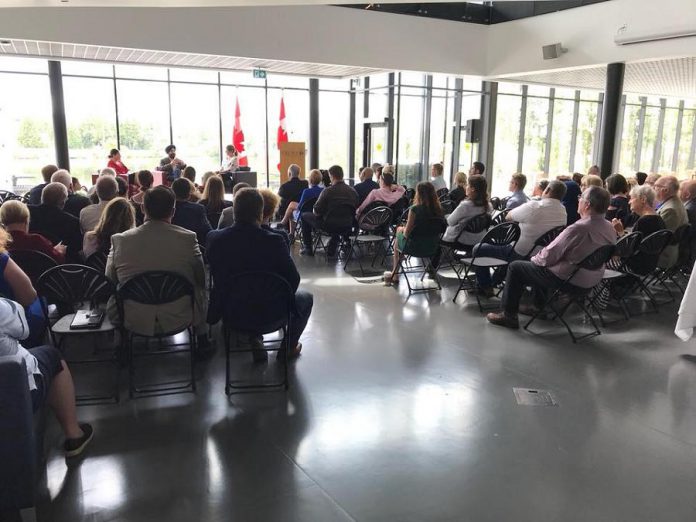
[473,131]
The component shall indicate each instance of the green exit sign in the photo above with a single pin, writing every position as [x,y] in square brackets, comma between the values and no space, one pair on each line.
[260,73]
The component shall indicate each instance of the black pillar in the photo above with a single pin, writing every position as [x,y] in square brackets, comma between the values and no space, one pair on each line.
[60,131]
[313,123]
[610,117]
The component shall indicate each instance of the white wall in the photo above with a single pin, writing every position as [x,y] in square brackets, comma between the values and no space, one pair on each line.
[317,34]
[588,34]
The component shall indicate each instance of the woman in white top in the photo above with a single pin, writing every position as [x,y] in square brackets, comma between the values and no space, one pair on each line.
[476,203]
[231,161]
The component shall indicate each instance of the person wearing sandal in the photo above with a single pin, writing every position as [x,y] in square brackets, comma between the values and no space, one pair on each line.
[49,378]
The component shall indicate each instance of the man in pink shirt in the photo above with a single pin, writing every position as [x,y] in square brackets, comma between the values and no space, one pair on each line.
[551,266]
[388,192]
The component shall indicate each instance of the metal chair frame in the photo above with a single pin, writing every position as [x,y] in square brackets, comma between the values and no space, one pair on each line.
[370,222]
[433,226]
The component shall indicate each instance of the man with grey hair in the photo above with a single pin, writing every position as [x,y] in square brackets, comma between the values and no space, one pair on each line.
[106,189]
[536,217]
[50,220]
[553,264]
[672,212]
[366,185]
[687,194]
[75,202]
[292,189]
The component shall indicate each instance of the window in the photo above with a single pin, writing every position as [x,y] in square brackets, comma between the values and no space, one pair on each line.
[561,136]
[652,120]
[195,125]
[334,120]
[507,132]
[26,129]
[410,120]
[141,72]
[143,114]
[296,125]
[669,134]
[688,135]
[193,75]
[535,139]
[629,136]
[90,114]
[587,128]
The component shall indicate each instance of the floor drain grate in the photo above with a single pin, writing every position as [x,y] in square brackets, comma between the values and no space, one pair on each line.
[532,397]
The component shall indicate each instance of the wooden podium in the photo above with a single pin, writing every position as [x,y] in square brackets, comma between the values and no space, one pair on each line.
[292,152]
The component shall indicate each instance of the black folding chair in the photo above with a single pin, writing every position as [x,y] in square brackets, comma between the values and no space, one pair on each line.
[399,210]
[442,192]
[307,206]
[97,261]
[447,205]
[409,195]
[495,203]
[258,303]
[6,195]
[544,240]
[430,229]
[650,249]
[682,240]
[158,288]
[338,221]
[474,225]
[33,263]
[77,287]
[373,227]
[501,235]
[499,217]
[575,295]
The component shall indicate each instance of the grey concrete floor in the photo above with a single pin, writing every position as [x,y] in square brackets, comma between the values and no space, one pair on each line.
[403,410]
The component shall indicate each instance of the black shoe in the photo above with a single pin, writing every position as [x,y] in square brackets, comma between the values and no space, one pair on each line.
[74,447]
[204,348]
[305,251]
[689,357]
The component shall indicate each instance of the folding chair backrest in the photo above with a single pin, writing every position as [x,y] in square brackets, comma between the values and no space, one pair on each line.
[74,284]
[478,223]
[375,219]
[155,288]
[256,301]
[627,245]
[374,204]
[655,243]
[598,258]
[308,205]
[680,233]
[499,217]
[6,195]
[97,261]
[339,218]
[504,234]
[398,209]
[495,203]
[447,205]
[409,195]
[547,237]
[682,237]
[442,192]
[32,262]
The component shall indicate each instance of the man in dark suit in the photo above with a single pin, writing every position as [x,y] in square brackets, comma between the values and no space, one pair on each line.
[50,220]
[366,185]
[170,164]
[245,246]
[331,197]
[188,215]
[75,202]
[292,189]
[35,193]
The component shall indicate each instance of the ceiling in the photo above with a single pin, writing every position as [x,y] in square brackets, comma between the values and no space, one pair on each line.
[673,77]
[176,59]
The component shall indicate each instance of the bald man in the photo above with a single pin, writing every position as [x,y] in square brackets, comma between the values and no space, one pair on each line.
[687,194]
[50,220]
[75,202]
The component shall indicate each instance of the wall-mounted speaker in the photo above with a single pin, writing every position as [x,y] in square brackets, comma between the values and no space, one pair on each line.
[473,131]
[553,51]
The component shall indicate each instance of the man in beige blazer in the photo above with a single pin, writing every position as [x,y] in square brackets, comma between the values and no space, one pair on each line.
[672,212]
[159,245]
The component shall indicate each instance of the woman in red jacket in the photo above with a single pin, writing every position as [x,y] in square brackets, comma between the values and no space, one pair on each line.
[115,162]
[15,217]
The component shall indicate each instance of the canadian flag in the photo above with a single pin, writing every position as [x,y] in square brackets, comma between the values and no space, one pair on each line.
[238,136]
[282,132]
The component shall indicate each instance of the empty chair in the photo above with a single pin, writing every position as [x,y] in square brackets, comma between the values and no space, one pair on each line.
[373,228]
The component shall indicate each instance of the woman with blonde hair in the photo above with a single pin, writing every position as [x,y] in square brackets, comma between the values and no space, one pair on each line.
[214,199]
[118,216]
[458,193]
[271,201]
[591,180]
[14,215]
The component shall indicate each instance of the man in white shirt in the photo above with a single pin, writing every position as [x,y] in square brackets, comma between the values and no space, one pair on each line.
[436,177]
[107,189]
[535,219]
[518,197]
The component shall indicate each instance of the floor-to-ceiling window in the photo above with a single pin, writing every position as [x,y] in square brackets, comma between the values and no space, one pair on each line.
[334,121]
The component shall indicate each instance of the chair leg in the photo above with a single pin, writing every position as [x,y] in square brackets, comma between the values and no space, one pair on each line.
[193,347]
[226,336]
[131,367]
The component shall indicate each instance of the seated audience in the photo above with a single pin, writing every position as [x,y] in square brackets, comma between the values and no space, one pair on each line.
[245,246]
[377,170]
[477,169]
[325,178]
[618,206]
[331,197]
[641,177]
[92,192]
[170,164]
[155,246]
[118,216]
[672,212]
[458,193]
[518,197]
[292,189]
[77,187]
[577,178]
[366,185]
[49,220]
[539,188]
[388,192]
[476,203]
[75,202]
[144,179]
[547,270]
[116,163]
[227,216]
[436,177]
[594,171]
[35,193]
[570,201]
[590,180]
[535,219]
[687,194]
[425,207]
[206,177]
[122,187]
[191,216]
[231,162]
[651,179]
[190,174]
[270,206]
[643,205]
[48,378]
[14,216]
[214,199]
[292,214]
[106,190]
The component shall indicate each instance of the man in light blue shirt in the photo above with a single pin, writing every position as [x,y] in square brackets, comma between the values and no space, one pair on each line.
[518,197]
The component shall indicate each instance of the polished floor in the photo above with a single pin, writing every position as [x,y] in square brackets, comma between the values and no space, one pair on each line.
[403,410]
